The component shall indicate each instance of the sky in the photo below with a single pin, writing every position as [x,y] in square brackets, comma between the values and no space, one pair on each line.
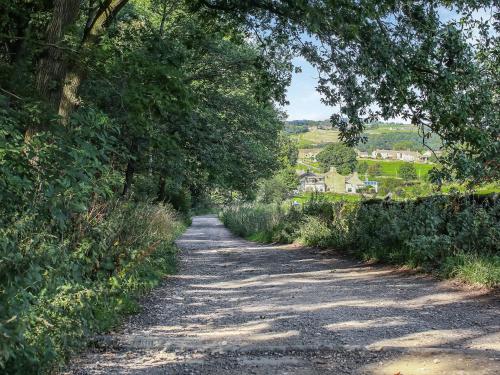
[305,101]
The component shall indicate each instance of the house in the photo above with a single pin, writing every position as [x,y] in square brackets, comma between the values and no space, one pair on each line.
[312,182]
[334,181]
[353,183]
[362,154]
[408,155]
[384,154]
[427,155]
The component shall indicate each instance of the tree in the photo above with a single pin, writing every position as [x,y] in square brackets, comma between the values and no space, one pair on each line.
[362,167]
[374,169]
[387,59]
[407,145]
[279,187]
[407,172]
[338,155]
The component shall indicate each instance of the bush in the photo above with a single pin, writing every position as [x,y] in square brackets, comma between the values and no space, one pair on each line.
[57,291]
[407,172]
[456,236]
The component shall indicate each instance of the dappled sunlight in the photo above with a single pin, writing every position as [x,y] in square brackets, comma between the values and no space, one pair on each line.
[437,299]
[430,338]
[486,342]
[437,363]
[249,298]
[366,324]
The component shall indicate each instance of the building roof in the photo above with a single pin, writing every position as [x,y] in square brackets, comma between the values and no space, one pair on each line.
[385,151]
[354,179]
[308,174]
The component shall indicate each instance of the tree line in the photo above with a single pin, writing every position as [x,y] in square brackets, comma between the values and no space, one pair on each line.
[107,106]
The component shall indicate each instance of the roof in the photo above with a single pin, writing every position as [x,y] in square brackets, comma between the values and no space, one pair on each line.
[308,174]
[354,179]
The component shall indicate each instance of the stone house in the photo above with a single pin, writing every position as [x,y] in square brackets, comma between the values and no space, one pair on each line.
[353,183]
[312,182]
[384,154]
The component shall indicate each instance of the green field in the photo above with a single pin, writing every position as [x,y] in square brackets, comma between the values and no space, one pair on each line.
[316,137]
[390,168]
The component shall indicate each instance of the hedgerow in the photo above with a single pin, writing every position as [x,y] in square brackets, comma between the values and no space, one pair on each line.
[454,236]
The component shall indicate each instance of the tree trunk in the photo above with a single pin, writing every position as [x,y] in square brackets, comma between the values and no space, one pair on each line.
[69,95]
[161,189]
[52,66]
[129,176]
[96,24]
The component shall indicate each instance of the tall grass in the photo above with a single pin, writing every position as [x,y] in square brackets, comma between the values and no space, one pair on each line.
[56,292]
[450,235]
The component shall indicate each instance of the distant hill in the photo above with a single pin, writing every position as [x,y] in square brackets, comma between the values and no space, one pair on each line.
[302,126]
[380,135]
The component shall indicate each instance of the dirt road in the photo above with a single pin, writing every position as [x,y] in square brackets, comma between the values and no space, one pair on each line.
[241,308]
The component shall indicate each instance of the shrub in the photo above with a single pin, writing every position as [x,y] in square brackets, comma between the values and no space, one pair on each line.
[456,236]
[57,291]
[407,172]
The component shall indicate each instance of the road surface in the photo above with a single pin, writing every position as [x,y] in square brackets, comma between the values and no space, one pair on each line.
[237,307]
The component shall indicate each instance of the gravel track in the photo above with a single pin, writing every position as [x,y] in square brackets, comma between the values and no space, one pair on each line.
[237,307]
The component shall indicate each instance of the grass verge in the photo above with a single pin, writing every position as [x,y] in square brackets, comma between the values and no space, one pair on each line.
[451,236]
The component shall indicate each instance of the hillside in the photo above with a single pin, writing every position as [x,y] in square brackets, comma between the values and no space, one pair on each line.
[378,136]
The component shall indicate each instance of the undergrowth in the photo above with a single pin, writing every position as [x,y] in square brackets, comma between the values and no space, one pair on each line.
[452,236]
[57,291]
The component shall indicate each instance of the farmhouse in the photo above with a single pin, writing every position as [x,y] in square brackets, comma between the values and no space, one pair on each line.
[312,182]
[408,155]
[353,183]
[334,182]
[384,154]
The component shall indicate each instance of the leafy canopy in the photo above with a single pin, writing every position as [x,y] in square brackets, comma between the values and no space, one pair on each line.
[338,155]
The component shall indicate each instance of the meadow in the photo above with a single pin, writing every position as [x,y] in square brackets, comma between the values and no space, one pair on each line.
[390,168]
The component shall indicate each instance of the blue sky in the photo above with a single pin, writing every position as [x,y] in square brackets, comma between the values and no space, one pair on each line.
[304,99]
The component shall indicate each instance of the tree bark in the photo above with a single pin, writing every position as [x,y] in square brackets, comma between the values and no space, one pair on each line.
[52,66]
[161,189]
[129,176]
[96,24]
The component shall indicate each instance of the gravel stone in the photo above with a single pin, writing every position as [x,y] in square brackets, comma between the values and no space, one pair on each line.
[237,307]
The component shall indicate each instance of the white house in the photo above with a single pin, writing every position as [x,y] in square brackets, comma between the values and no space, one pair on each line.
[408,155]
[312,182]
[384,154]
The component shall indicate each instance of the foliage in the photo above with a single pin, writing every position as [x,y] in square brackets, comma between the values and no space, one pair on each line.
[455,236]
[362,167]
[58,291]
[102,124]
[374,169]
[338,155]
[398,140]
[407,172]
[398,59]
